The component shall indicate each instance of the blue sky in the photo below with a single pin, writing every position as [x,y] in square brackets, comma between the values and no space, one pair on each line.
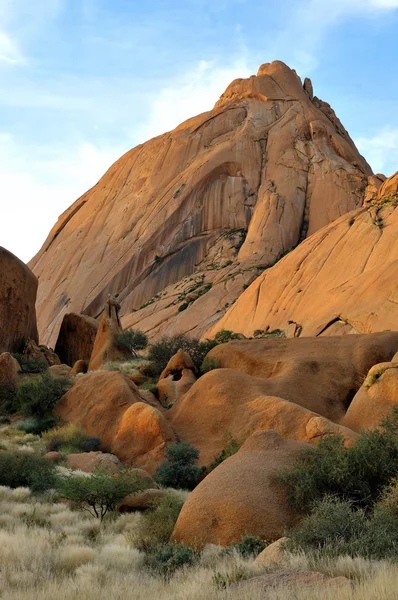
[82,81]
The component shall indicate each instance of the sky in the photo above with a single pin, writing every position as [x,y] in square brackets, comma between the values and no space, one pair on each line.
[83,81]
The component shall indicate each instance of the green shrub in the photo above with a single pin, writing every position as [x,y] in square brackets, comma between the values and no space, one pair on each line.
[132,340]
[358,474]
[275,333]
[225,335]
[183,306]
[209,364]
[35,425]
[179,470]
[231,448]
[156,525]
[26,470]
[336,528]
[160,352]
[250,546]
[37,396]
[166,559]
[35,364]
[149,386]
[68,438]
[100,492]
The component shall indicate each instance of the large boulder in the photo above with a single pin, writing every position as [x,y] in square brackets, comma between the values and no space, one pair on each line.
[89,461]
[241,496]
[76,338]
[110,406]
[177,378]
[341,280]
[105,347]
[18,289]
[375,399]
[321,374]
[9,376]
[202,207]
[225,404]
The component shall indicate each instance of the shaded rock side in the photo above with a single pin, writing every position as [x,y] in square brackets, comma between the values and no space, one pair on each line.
[18,289]
[343,279]
[109,406]
[76,338]
[105,348]
[241,496]
[224,193]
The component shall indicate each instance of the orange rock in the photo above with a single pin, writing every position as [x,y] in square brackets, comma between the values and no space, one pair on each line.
[89,461]
[174,386]
[108,405]
[241,496]
[57,371]
[9,369]
[341,279]
[18,288]
[141,500]
[177,363]
[321,374]
[32,350]
[105,348]
[80,366]
[375,399]
[76,338]
[240,184]
[273,554]
[225,403]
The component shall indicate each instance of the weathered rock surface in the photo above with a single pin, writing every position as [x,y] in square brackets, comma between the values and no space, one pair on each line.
[32,350]
[183,222]
[177,378]
[110,406]
[241,496]
[343,279]
[76,338]
[18,288]
[89,461]
[105,348]
[9,376]
[226,403]
[58,371]
[321,374]
[80,366]
[273,554]
[141,500]
[375,399]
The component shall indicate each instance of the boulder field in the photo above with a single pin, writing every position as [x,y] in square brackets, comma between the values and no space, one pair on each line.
[179,226]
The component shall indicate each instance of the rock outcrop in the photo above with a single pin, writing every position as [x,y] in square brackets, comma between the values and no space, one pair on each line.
[105,348]
[341,280]
[177,378]
[109,406]
[241,496]
[181,224]
[76,338]
[18,289]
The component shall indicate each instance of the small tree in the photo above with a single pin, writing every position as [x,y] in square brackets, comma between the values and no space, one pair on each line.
[225,335]
[38,396]
[99,492]
[179,470]
[132,340]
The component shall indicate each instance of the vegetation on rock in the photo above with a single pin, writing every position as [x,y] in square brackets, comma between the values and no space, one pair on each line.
[179,470]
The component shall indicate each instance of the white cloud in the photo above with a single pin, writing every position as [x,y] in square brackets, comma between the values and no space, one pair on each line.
[9,51]
[37,185]
[381,151]
[190,94]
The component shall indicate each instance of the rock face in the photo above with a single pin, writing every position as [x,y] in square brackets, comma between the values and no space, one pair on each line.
[9,376]
[76,338]
[226,403]
[109,406]
[179,225]
[18,288]
[241,496]
[375,399]
[177,378]
[343,279]
[105,348]
[89,461]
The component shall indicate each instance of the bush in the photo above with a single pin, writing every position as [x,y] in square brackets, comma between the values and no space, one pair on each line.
[26,470]
[38,396]
[225,335]
[132,340]
[35,425]
[209,364]
[99,492]
[160,352]
[250,546]
[35,364]
[358,474]
[232,447]
[179,470]
[157,525]
[68,439]
[336,528]
[166,559]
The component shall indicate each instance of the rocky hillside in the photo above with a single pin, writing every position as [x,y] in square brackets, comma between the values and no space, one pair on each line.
[181,225]
[340,280]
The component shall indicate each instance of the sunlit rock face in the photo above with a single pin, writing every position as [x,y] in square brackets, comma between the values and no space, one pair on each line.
[183,223]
